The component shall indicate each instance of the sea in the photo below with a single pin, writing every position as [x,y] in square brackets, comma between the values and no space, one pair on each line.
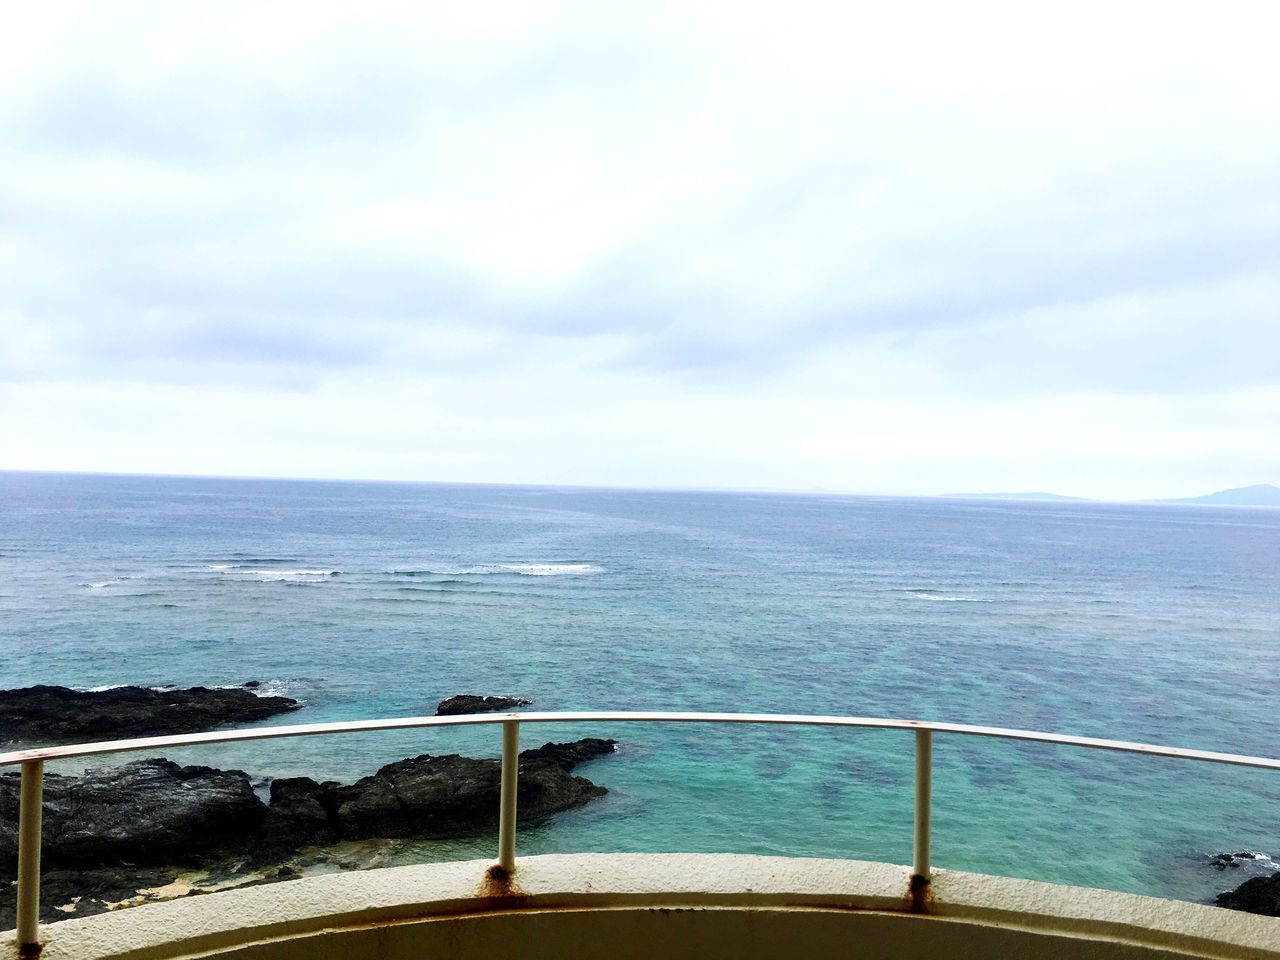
[1135,622]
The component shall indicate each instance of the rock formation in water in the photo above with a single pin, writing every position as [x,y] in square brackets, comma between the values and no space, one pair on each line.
[50,715]
[154,814]
[471,703]
[425,797]
[1255,895]
[146,812]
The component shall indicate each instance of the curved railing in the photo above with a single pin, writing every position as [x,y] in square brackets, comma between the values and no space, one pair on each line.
[32,762]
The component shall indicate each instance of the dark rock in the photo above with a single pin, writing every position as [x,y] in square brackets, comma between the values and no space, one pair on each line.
[251,684]
[471,703]
[65,894]
[1255,895]
[46,714]
[450,795]
[427,797]
[147,812]
[296,818]
[569,755]
[1256,863]
[106,832]
[424,796]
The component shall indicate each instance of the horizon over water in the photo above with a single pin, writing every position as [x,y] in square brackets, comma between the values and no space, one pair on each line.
[368,599]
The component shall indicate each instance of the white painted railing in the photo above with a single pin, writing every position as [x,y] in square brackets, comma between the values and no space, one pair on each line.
[32,762]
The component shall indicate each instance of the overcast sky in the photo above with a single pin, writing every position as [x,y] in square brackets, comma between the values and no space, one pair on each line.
[896,248]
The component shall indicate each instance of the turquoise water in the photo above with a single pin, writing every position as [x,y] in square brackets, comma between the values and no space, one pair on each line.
[1147,623]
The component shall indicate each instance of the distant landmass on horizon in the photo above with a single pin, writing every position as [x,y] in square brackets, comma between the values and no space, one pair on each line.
[1257,495]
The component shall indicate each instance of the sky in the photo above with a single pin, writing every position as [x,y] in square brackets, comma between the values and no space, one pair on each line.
[900,248]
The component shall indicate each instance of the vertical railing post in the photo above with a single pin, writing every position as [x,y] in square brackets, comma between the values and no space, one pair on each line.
[507,809]
[30,800]
[924,789]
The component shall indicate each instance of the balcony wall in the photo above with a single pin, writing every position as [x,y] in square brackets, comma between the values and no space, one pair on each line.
[678,905]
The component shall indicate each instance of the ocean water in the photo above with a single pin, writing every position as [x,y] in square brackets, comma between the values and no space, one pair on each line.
[1148,623]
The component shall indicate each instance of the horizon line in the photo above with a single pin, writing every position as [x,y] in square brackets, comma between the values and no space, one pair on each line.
[998,496]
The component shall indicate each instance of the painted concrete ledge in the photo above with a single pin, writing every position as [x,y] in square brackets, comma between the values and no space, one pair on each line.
[720,905]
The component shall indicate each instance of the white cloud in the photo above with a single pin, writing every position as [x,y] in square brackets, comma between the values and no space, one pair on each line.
[904,247]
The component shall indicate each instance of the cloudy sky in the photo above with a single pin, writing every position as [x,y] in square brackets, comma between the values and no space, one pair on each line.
[900,248]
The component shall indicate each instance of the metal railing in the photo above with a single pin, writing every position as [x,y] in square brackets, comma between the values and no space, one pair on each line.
[32,763]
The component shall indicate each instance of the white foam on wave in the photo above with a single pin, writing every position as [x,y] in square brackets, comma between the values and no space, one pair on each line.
[265,688]
[1254,862]
[103,584]
[291,576]
[290,573]
[546,569]
[549,569]
[1266,862]
[943,598]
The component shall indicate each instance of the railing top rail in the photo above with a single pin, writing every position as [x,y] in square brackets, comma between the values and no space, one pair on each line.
[407,723]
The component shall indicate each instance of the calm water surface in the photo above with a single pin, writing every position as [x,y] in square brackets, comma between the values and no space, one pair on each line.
[365,600]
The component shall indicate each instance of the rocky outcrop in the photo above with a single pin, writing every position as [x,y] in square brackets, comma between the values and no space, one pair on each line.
[426,797]
[82,893]
[300,815]
[471,703]
[111,834]
[65,894]
[45,714]
[154,829]
[152,812]
[568,755]
[1253,863]
[1255,895]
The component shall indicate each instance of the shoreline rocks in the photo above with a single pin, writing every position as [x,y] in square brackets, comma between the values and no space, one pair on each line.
[1256,895]
[426,797]
[114,835]
[53,715]
[1255,864]
[465,703]
[1260,890]
[151,812]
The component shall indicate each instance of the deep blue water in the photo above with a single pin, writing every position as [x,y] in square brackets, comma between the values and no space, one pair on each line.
[1147,623]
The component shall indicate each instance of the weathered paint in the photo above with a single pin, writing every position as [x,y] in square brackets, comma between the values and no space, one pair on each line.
[507,796]
[678,905]
[30,810]
[922,833]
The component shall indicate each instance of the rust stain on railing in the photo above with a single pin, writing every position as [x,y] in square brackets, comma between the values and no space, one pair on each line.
[918,893]
[498,887]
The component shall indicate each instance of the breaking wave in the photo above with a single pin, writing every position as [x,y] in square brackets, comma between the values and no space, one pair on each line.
[943,598]
[547,569]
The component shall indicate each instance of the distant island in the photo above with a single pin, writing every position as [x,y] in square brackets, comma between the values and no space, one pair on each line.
[1257,495]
